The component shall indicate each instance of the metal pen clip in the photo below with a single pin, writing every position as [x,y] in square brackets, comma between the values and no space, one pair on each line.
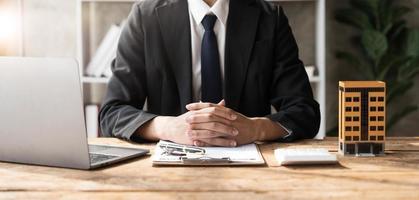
[203,160]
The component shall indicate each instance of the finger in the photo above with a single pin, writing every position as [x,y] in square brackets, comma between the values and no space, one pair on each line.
[215,127]
[221,142]
[206,117]
[220,111]
[202,105]
[199,106]
[222,103]
[200,144]
[204,134]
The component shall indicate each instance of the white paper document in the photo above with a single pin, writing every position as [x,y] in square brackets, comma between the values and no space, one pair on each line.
[168,153]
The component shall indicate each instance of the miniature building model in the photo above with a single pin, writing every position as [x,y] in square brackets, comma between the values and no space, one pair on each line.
[362,117]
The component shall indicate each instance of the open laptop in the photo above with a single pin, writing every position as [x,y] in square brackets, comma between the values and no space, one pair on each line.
[42,116]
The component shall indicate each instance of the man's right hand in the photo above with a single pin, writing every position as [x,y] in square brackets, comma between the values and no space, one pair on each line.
[187,129]
[167,128]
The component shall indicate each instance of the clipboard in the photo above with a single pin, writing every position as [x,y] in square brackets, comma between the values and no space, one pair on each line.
[169,153]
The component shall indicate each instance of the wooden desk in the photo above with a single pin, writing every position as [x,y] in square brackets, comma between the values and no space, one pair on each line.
[395,176]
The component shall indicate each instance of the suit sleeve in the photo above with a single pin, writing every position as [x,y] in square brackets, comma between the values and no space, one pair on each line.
[121,113]
[291,92]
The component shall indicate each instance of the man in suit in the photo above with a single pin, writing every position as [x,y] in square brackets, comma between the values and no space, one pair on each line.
[210,71]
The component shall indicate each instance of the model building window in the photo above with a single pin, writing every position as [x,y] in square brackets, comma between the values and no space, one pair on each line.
[373,138]
[373,119]
[381,118]
[373,109]
[373,128]
[348,138]
[356,138]
[356,119]
[380,137]
[381,108]
[348,119]
[356,109]
[348,99]
[381,128]
[373,99]
[348,128]
[356,128]
[356,99]
[381,99]
[348,109]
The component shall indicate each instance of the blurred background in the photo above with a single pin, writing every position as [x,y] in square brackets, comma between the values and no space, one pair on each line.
[338,40]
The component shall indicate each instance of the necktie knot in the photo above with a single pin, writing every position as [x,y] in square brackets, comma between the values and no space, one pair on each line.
[208,22]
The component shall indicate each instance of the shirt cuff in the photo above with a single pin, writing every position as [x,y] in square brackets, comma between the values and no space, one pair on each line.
[289,132]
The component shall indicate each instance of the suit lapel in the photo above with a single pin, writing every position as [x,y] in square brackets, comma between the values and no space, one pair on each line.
[241,33]
[175,29]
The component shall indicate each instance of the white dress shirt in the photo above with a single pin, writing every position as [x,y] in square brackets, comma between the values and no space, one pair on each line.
[198,9]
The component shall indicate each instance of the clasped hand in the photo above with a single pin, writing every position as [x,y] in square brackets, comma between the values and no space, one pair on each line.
[208,124]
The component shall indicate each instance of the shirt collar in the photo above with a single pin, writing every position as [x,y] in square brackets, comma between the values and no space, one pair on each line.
[198,9]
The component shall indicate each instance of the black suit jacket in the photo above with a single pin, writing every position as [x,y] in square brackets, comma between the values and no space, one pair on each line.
[262,68]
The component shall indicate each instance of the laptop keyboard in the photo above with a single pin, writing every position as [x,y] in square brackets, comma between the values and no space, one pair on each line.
[96,158]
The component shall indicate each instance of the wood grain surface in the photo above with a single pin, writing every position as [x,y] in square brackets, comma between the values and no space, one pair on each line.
[393,176]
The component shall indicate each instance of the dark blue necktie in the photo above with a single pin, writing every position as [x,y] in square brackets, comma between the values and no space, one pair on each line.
[212,90]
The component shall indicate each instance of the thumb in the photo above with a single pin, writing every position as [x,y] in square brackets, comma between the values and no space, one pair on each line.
[222,103]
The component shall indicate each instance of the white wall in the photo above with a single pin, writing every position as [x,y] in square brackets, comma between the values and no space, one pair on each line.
[49,28]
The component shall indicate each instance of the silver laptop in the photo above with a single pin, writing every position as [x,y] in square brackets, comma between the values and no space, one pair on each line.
[42,116]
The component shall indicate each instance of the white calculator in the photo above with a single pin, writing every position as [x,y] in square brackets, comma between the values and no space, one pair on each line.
[313,156]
